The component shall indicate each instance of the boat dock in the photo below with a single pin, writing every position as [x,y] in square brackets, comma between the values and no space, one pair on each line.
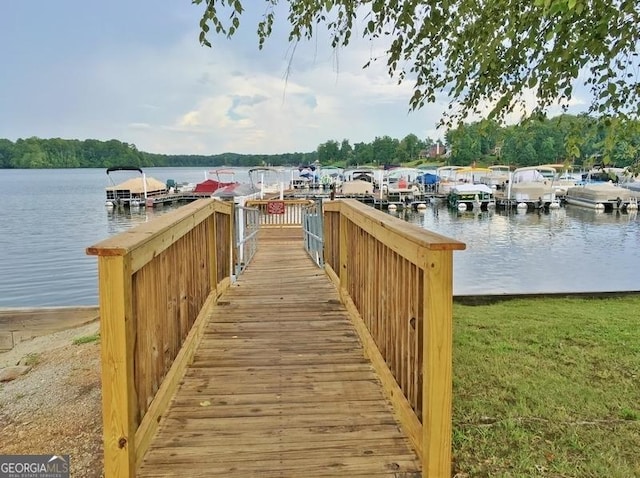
[323,350]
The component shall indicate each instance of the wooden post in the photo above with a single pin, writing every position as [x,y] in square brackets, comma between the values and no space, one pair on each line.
[231,241]
[117,338]
[437,365]
[213,253]
[344,244]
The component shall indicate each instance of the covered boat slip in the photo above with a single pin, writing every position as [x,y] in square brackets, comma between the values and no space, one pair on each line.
[286,369]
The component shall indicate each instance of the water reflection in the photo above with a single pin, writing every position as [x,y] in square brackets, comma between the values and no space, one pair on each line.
[570,249]
[121,219]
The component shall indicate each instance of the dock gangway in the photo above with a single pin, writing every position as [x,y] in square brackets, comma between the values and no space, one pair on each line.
[284,369]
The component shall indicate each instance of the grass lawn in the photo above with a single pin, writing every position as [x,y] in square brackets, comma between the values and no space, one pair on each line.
[547,388]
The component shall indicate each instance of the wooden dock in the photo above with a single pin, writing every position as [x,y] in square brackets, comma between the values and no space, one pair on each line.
[279,385]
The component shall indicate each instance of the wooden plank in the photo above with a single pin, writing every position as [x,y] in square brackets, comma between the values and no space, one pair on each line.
[280,386]
[319,370]
[210,465]
[312,435]
[244,397]
[256,328]
[276,451]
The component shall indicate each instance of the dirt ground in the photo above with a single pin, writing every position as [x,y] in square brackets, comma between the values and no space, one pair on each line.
[56,407]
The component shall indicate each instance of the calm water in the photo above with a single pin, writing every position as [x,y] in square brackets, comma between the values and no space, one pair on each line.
[49,217]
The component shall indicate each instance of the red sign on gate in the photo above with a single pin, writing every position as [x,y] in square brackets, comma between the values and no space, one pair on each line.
[275,207]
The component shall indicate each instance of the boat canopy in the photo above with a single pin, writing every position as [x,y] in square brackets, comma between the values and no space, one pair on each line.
[427,178]
[124,168]
[210,185]
[136,186]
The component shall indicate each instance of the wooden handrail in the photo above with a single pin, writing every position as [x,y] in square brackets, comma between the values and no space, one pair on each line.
[155,281]
[396,280]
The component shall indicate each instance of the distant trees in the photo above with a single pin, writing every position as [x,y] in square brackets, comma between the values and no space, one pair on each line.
[329,152]
[565,138]
[382,150]
[37,153]
[33,153]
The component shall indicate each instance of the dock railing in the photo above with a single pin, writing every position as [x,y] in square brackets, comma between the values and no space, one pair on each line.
[312,230]
[155,281]
[247,227]
[280,213]
[396,280]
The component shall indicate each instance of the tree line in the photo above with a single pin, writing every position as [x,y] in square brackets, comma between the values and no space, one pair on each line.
[38,153]
[570,139]
[382,150]
[564,139]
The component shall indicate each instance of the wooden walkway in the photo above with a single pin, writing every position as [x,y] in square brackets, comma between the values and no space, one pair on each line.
[279,386]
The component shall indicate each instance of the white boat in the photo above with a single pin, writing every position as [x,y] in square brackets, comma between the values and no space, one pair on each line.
[602,196]
[471,197]
[563,179]
[446,179]
[533,187]
[497,177]
[268,181]
[133,192]
[356,187]
[239,193]
[401,188]
[361,182]
[369,175]
[331,177]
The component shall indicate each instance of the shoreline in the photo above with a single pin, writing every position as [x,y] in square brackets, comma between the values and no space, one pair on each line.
[485,299]
[24,323]
[18,324]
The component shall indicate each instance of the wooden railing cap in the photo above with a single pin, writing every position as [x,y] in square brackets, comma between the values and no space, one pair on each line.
[127,241]
[422,237]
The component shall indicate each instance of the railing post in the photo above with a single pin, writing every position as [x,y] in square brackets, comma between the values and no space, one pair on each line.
[213,254]
[232,243]
[437,364]
[344,272]
[117,338]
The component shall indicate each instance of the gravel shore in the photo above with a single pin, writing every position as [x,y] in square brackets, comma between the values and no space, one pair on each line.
[55,408]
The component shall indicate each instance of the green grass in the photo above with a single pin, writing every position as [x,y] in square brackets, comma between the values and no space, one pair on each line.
[87,339]
[32,359]
[547,388]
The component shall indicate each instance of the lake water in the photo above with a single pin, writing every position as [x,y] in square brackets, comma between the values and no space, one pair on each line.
[49,217]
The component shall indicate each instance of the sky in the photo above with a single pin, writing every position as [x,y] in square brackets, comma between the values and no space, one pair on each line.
[135,71]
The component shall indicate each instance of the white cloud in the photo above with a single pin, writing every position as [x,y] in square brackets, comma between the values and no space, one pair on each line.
[211,101]
[174,96]
[166,93]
